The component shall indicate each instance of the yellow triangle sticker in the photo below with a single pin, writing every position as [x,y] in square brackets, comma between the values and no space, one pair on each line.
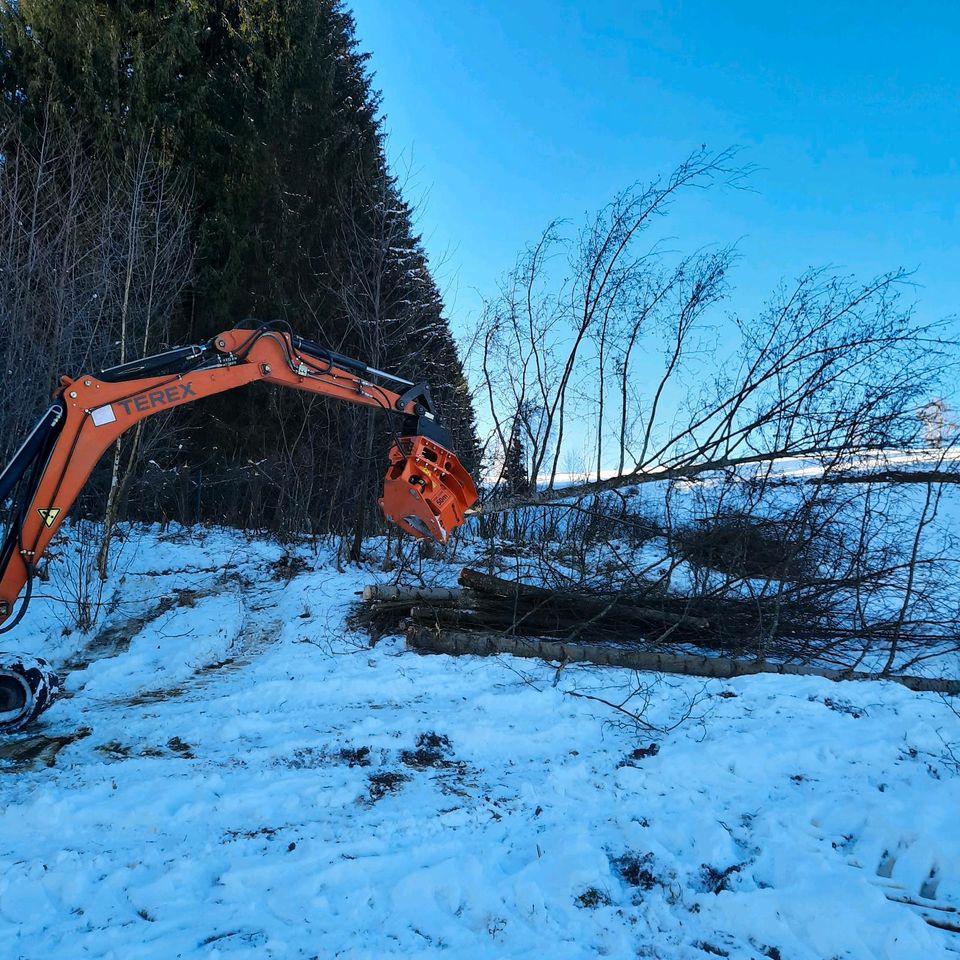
[49,515]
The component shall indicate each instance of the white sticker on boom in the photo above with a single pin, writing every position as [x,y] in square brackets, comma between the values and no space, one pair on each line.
[102,416]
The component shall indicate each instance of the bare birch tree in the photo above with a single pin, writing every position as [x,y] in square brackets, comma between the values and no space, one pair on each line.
[147,221]
[830,365]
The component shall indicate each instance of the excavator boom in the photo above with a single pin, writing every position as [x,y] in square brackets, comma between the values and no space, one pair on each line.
[427,491]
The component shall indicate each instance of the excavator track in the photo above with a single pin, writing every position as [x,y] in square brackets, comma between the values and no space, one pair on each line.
[28,685]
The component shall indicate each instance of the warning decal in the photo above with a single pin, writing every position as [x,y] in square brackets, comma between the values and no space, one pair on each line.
[103,415]
[49,515]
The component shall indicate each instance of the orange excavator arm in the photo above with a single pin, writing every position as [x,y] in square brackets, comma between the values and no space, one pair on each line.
[426,490]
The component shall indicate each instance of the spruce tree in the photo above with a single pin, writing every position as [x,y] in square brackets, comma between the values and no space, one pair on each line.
[515,478]
[268,110]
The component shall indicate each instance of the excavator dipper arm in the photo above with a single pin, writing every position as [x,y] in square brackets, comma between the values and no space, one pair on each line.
[426,491]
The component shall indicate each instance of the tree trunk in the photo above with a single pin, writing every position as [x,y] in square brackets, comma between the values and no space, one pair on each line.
[481,643]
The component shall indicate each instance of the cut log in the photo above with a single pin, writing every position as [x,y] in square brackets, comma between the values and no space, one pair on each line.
[504,619]
[537,622]
[584,605]
[485,643]
[390,591]
[487,583]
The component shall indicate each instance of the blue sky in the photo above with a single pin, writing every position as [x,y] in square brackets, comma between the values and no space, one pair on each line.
[508,114]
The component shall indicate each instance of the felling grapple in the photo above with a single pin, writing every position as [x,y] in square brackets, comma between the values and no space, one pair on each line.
[426,491]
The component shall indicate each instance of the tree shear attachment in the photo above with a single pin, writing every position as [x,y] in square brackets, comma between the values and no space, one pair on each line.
[426,491]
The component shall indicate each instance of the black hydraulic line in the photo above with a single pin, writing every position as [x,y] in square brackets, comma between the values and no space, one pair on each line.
[10,542]
[318,352]
[44,437]
[24,603]
[39,438]
[180,360]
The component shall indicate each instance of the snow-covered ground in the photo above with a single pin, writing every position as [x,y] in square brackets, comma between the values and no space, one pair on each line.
[245,777]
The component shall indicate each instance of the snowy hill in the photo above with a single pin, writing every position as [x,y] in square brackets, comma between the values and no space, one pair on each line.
[240,775]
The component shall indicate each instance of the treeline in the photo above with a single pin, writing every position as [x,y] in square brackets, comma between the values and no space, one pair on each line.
[171,169]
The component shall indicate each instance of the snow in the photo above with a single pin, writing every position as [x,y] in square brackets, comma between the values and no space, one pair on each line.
[251,779]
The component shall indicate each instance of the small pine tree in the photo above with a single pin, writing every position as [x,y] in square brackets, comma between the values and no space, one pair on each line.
[515,477]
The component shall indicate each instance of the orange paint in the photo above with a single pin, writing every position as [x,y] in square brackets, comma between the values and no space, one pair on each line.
[426,491]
